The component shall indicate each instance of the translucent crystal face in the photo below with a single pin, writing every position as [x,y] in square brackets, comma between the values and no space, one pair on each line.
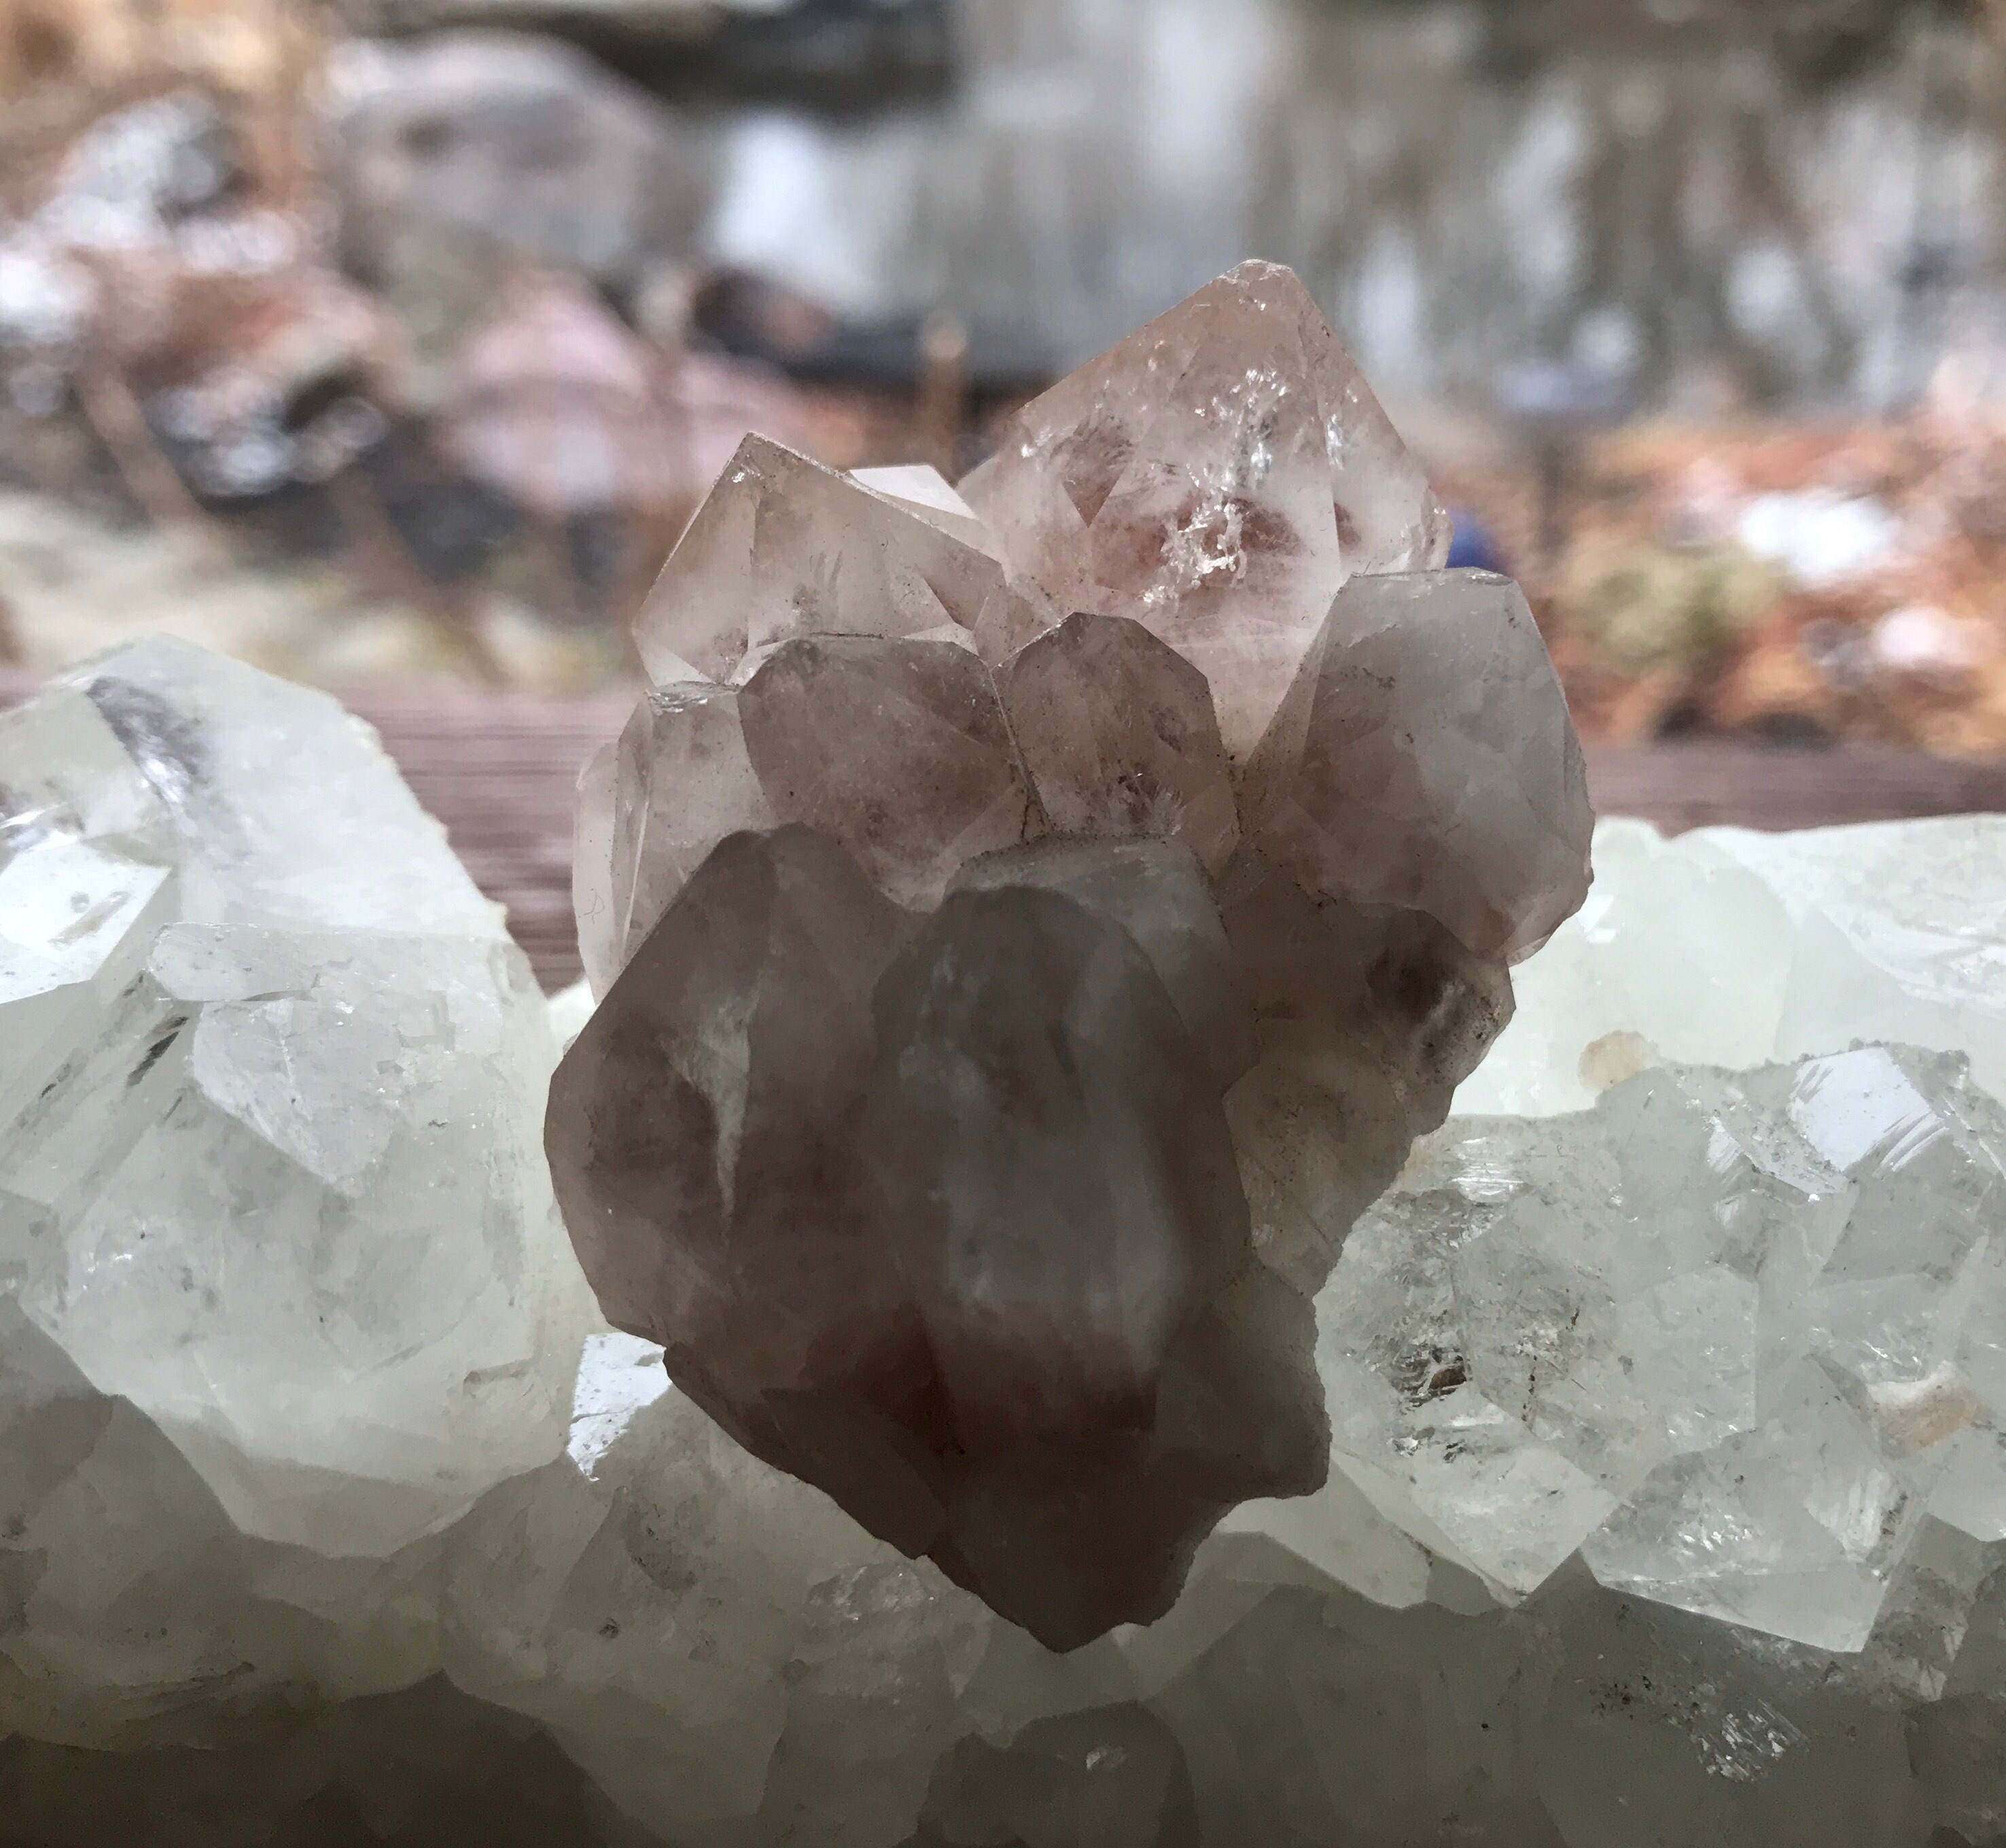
[1429,696]
[1216,477]
[268,1173]
[1031,924]
[1782,945]
[1732,1336]
[784,547]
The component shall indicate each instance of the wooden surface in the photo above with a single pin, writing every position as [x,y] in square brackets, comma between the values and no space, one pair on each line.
[499,772]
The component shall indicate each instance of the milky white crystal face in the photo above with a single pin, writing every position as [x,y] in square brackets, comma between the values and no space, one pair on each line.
[1728,947]
[925,491]
[1216,477]
[675,1611]
[1728,1335]
[269,1172]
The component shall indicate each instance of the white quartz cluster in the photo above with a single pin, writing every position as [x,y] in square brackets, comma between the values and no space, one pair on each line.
[1729,1336]
[310,1554]
[282,1290]
[1665,1508]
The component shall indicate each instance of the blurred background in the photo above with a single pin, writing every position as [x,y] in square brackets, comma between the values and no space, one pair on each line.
[390,342]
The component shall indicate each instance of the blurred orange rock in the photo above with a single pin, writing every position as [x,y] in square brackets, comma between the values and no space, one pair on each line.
[248,46]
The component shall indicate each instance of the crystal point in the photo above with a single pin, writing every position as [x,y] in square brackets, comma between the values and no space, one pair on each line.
[773,553]
[1423,757]
[1716,1334]
[1117,730]
[898,750]
[679,780]
[1216,476]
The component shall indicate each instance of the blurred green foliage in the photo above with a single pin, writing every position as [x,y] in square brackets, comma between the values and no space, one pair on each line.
[1650,607]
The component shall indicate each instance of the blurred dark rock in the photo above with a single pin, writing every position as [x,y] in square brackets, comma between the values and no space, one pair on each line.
[844,55]
[755,317]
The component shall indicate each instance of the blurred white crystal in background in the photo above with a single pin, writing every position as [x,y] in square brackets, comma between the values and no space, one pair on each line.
[1727,947]
[987,1072]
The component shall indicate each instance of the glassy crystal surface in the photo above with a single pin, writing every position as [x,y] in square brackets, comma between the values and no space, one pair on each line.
[1216,477]
[269,1014]
[602,936]
[993,1054]
[282,1291]
[1783,945]
[785,547]
[1423,757]
[1727,1333]
[1119,736]
[926,492]
[651,805]
[852,1207]
[1367,1020]
[897,751]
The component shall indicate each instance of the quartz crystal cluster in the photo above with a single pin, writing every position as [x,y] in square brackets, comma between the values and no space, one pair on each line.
[1730,1335]
[1711,1249]
[1031,926]
[282,1290]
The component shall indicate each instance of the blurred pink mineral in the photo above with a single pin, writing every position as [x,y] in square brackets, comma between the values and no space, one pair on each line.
[1032,926]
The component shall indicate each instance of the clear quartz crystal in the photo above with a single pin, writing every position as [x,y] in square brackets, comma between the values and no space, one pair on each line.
[785,547]
[925,491]
[1783,945]
[1719,1333]
[282,1288]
